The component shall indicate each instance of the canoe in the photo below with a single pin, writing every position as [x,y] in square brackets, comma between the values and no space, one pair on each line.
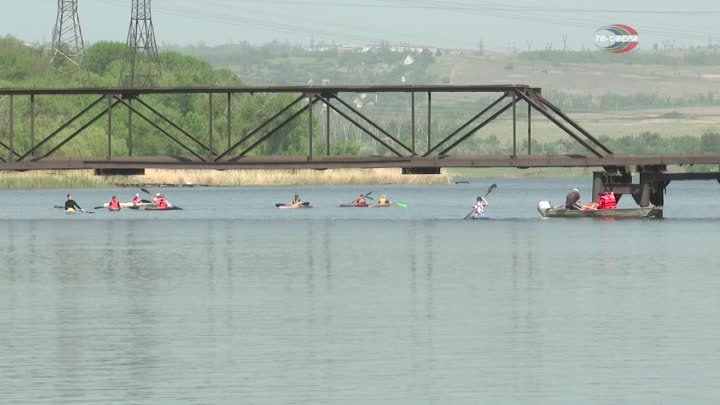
[548,211]
[351,205]
[292,206]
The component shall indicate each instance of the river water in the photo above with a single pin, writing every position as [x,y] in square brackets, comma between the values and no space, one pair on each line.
[232,301]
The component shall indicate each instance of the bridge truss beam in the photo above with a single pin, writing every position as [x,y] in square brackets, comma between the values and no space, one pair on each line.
[400,151]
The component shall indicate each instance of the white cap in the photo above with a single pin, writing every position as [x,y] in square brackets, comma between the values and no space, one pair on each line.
[157,194]
[576,190]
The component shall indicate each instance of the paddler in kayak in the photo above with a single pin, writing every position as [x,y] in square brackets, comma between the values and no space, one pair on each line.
[162,202]
[296,201]
[478,210]
[360,201]
[137,200]
[156,198]
[114,204]
[383,201]
[71,205]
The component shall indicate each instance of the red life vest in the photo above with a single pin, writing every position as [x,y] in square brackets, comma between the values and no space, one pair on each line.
[162,203]
[602,202]
[114,204]
[361,201]
[610,201]
[137,200]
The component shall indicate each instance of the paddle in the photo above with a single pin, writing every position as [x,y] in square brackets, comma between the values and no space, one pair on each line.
[400,204]
[490,190]
[367,195]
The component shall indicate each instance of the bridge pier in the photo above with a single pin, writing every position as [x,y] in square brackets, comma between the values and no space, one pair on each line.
[651,188]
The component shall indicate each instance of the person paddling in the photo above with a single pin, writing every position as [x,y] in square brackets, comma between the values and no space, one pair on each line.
[137,200]
[360,201]
[296,200]
[114,204]
[383,200]
[71,205]
[478,210]
[162,202]
[156,198]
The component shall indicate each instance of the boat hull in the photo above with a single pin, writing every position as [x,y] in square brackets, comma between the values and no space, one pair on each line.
[547,211]
[354,205]
[293,206]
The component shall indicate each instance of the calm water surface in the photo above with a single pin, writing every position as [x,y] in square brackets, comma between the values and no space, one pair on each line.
[232,301]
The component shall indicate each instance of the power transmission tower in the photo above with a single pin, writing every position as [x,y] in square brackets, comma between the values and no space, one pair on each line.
[67,45]
[142,60]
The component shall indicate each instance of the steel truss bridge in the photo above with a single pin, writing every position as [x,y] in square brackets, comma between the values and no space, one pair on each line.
[231,150]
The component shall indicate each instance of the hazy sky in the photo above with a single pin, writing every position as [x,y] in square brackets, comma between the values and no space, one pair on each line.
[447,24]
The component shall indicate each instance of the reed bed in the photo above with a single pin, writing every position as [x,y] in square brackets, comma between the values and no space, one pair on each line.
[87,179]
[287,177]
[52,179]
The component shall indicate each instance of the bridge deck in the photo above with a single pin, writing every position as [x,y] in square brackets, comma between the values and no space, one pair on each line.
[319,162]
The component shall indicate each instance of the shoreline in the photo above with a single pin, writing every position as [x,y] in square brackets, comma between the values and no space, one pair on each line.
[301,177]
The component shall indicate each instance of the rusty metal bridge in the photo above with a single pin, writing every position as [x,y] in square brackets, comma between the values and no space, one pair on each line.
[230,150]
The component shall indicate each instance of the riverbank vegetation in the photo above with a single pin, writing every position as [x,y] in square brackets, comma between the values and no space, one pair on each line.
[200,178]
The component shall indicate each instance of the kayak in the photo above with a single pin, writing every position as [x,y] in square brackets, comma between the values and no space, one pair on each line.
[391,205]
[70,211]
[478,218]
[152,207]
[353,205]
[143,206]
[131,205]
[548,211]
[294,206]
[113,209]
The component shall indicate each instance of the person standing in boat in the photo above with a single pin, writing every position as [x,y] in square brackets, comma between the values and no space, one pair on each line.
[137,200]
[478,210]
[114,203]
[71,205]
[572,200]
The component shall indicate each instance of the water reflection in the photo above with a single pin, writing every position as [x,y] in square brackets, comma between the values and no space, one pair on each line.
[335,311]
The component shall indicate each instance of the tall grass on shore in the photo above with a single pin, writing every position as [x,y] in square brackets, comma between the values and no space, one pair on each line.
[86,178]
[287,177]
[52,179]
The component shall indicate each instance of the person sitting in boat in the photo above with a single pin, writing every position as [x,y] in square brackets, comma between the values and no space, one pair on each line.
[383,200]
[156,198]
[114,203]
[296,200]
[360,201]
[572,200]
[479,208]
[162,202]
[137,200]
[607,201]
[71,205]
